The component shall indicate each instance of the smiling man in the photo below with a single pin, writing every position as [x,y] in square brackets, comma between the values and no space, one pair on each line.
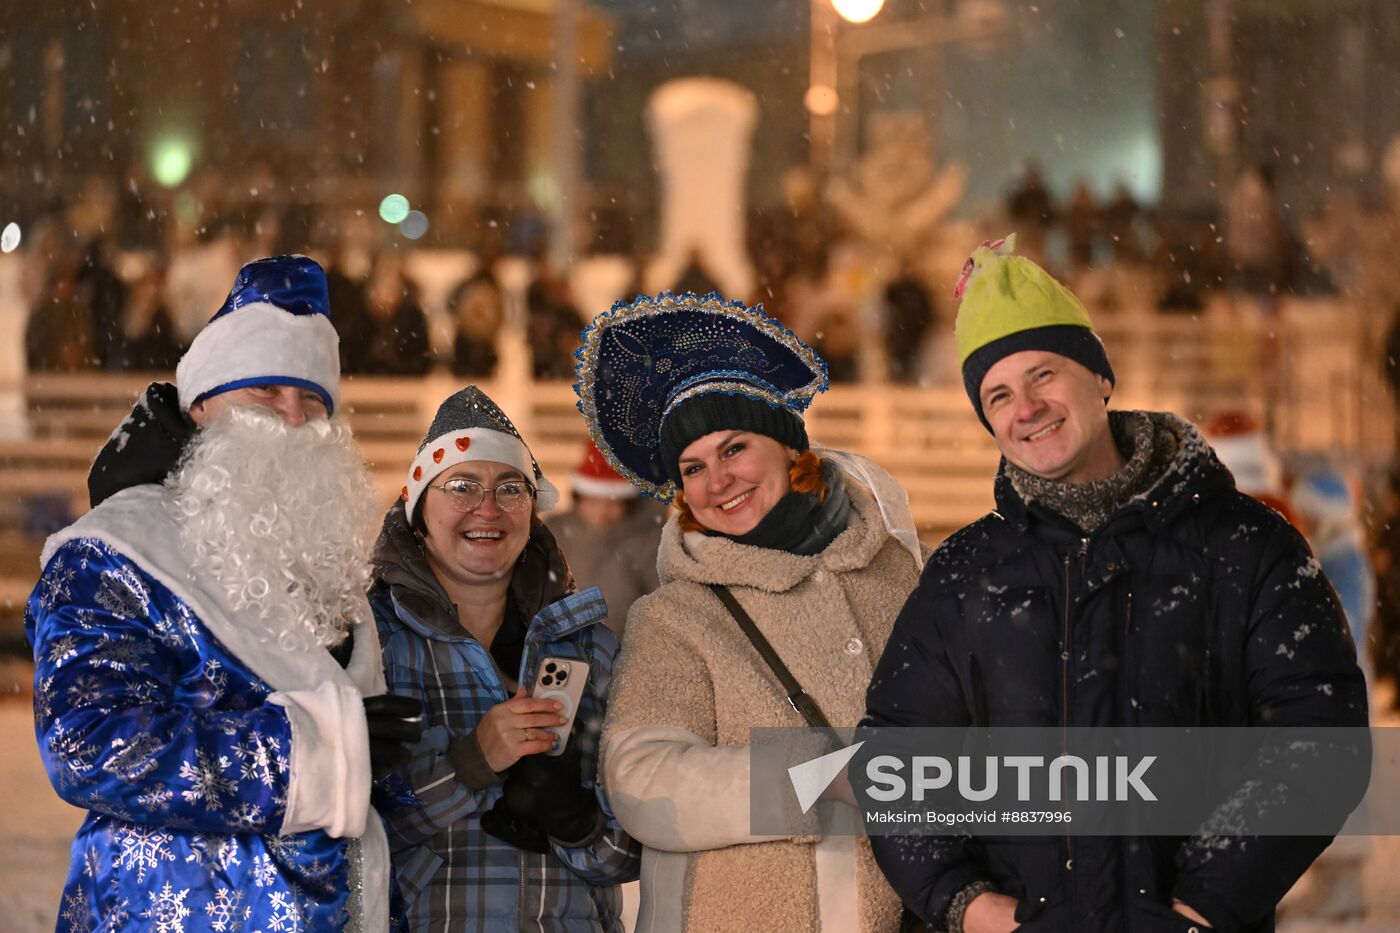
[1121,581]
[206,666]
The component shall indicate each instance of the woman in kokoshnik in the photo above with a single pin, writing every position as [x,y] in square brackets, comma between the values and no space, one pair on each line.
[700,401]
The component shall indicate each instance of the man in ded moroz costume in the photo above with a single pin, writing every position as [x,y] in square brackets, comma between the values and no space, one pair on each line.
[206,668]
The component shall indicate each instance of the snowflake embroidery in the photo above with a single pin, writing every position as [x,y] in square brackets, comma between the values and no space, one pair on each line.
[63,649]
[87,618]
[123,653]
[167,633]
[246,817]
[43,700]
[76,912]
[258,756]
[54,586]
[285,848]
[90,549]
[84,691]
[207,779]
[224,912]
[92,863]
[286,913]
[131,761]
[168,911]
[76,758]
[217,678]
[143,849]
[157,798]
[189,626]
[264,872]
[123,593]
[213,851]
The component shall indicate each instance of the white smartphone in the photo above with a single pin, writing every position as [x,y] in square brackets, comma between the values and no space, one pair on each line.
[562,680]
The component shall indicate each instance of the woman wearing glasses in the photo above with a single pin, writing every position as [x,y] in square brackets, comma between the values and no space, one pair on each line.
[470,594]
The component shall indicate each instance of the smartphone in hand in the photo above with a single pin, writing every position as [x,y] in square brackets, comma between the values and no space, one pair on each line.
[561,680]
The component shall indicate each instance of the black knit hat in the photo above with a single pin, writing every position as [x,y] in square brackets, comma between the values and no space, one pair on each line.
[723,411]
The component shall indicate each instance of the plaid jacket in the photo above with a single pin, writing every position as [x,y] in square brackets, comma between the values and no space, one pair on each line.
[452,875]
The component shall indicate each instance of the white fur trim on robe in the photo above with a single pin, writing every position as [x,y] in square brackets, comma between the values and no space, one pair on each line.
[136,523]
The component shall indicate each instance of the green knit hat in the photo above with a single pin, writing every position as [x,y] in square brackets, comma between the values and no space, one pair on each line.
[1010,304]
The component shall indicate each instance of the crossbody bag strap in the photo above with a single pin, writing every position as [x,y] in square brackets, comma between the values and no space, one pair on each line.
[798,698]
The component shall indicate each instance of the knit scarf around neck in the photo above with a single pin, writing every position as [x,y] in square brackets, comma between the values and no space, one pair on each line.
[801,523]
[1149,446]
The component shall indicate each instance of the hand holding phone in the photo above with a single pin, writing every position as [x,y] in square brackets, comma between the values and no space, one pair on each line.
[561,680]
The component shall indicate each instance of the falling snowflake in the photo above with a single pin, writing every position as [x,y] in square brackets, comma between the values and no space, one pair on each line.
[213,850]
[54,586]
[207,779]
[264,872]
[224,912]
[168,911]
[143,848]
[85,690]
[123,653]
[76,911]
[157,798]
[286,913]
[123,593]
[63,649]
[131,761]
[258,755]
[246,817]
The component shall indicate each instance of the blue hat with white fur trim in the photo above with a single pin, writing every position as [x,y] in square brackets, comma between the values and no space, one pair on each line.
[273,329]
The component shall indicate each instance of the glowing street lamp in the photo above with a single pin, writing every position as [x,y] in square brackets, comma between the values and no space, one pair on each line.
[172,157]
[858,11]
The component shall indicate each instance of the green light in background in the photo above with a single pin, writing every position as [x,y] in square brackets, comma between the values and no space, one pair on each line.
[393,209]
[172,157]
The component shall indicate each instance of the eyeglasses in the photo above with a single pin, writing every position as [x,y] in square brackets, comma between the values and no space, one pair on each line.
[464,495]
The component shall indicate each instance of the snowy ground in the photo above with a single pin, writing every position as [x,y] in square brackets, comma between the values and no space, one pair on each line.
[37,827]
[34,823]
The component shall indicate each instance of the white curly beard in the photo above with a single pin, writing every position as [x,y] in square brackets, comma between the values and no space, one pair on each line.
[282,518]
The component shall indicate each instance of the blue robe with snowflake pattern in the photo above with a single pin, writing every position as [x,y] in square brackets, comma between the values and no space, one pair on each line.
[226,781]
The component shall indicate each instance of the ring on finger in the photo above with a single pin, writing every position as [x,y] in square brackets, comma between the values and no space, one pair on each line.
[526,732]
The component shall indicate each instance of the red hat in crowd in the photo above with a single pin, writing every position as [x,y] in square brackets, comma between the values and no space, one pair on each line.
[1240,444]
[596,478]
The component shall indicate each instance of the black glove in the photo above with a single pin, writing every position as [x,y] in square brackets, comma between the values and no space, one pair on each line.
[395,723]
[548,794]
[506,825]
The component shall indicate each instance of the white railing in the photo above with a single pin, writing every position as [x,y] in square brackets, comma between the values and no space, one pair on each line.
[1312,372]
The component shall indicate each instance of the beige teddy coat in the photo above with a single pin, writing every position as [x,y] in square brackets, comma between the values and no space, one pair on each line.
[689,687]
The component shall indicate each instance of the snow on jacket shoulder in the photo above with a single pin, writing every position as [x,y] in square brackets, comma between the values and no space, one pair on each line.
[1192,605]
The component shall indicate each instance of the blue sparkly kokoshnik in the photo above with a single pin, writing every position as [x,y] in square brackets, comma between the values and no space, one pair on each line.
[641,359]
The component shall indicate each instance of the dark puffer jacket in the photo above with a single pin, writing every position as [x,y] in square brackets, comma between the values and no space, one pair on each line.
[1191,605]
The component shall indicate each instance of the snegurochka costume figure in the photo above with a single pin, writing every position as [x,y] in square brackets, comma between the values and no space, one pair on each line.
[204,649]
